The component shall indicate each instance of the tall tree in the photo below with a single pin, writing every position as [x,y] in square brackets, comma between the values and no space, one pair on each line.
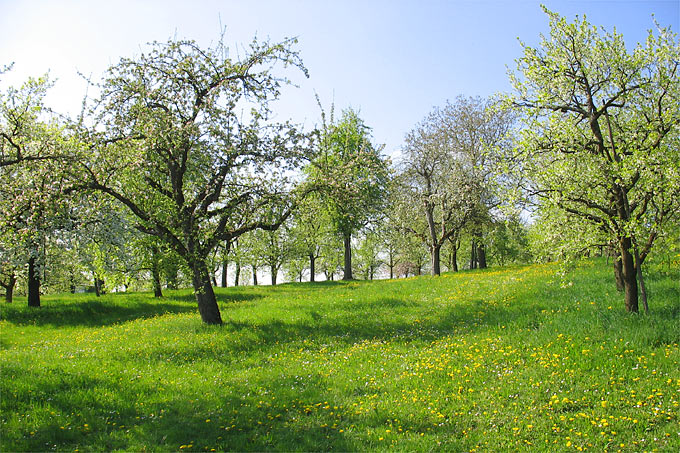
[170,142]
[600,137]
[31,180]
[353,175]
[448,167]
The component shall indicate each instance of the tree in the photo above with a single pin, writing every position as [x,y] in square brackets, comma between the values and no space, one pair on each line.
[368,254]
[449,167]
[276,248]
[600,137]
[31,180]
[311,230]
[353,176]
[170,143]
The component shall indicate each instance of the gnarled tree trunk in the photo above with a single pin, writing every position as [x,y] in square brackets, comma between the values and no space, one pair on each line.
[33,283]
[435,257]
[205,296]
[9,287]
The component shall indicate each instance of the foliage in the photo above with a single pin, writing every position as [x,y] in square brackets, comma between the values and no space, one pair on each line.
[169,142]
[353,176]
[449,164]
[600,137]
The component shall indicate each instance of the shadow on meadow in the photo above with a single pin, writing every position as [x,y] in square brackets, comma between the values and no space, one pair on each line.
[89,412]
[91,313]
[108,310]
[92,413]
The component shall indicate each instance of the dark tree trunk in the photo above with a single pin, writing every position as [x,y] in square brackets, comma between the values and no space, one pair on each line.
[273,270]
[629,274]
[205,296]
[225,265]
[156,280]
[237,273]
[347,241]
[98,286]
[72,283]
[434,256]
[156,272]
[618,272]
[33,283]
[481,256]
[254,275]
[473,255]
[312,267]
[454,258]
[213,279]
[9,288]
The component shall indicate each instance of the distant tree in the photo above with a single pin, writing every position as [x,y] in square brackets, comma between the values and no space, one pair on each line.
[600,138]
[448,170]
[368,254]
[310,231]
[169,141]
[509,242]
[353,175]
[277,248]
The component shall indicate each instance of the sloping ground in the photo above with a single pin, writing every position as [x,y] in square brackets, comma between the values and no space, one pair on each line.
[489,360]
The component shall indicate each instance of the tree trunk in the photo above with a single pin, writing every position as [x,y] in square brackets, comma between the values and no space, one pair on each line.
[33,283]
[72,282]
[312,269]
[434,256]
[205,296]
[629,275]
[98,286]
[156,279]
[9,288]
[347,240]
[618,272]
[155,272]
[454,258]
[473,255]
[225,265]
[254,275]
[481,256]
[273,271]
[643,289]
[237,273]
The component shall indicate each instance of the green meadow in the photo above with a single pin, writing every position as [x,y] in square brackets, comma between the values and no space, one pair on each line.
[502,359]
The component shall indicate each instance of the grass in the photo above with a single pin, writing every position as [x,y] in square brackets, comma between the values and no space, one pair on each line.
[502,359]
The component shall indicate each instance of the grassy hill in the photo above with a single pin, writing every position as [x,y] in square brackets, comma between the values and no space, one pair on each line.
[502,359]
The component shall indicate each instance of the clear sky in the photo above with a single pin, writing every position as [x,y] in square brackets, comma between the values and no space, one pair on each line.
[393,60]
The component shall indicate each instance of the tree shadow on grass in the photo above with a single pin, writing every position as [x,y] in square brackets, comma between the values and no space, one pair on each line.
[76,411]
[91,313]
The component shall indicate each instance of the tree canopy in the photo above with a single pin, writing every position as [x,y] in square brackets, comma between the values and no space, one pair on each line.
[600,136]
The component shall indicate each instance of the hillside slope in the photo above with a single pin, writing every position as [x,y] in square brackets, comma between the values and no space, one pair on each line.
[485,360]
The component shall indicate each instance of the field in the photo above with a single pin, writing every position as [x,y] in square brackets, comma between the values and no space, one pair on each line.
[501,359]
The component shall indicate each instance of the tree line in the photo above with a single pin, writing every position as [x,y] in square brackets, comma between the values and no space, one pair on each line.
[177,173]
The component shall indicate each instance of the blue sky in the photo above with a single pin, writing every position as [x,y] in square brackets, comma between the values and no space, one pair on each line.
[392,60]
